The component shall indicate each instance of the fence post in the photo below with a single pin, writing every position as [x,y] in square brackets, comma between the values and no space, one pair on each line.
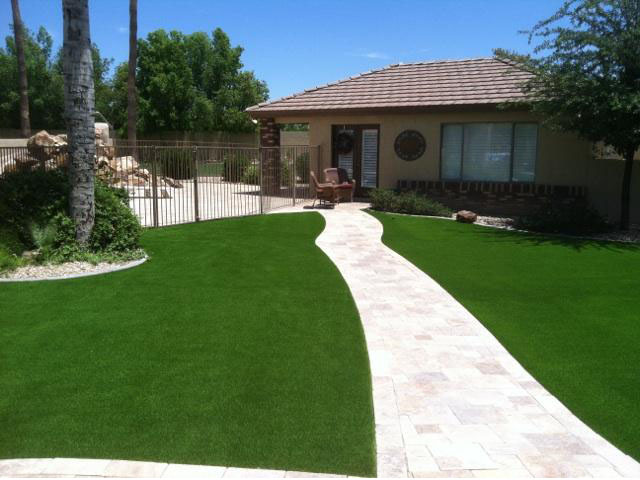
[261,166]
[295,173]
[196,206]
[154,187]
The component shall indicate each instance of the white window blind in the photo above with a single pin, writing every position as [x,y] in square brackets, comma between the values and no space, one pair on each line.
[525,146]
[346,160]
[484,152]
[369,158]
[487,152]
[451,152]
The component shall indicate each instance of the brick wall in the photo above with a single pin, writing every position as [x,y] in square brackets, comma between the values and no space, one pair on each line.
[494,198]
[269,133]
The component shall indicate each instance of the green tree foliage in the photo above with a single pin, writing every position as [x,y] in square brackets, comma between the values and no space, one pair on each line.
[190,83]
[46,87]
[587,76]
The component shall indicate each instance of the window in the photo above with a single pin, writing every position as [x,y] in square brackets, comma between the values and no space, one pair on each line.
[496,152]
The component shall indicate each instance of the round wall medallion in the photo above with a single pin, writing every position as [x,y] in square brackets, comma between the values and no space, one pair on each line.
[410,145]
[344,143]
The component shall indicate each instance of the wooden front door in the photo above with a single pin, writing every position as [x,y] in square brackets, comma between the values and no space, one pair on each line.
[355,148]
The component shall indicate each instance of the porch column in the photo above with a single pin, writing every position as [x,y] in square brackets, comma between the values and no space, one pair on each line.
[270,156]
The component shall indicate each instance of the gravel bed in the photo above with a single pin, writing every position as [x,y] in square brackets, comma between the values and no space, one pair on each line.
[65,270]
[631,236]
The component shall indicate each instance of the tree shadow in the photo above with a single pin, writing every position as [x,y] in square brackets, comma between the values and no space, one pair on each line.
[540,239]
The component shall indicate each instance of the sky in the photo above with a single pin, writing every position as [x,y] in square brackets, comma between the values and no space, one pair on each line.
[296,45]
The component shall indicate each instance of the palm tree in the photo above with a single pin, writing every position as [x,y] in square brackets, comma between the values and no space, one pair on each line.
[79,114]
[18,32]
[132,101]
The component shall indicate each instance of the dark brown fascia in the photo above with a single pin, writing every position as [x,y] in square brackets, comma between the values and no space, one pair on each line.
[489,107]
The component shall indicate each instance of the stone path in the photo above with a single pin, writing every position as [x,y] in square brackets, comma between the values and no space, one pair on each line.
[449,400]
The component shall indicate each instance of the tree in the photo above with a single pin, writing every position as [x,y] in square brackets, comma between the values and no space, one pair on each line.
[193,83]
[587,77]
[132,102]
[46,83]
[79,114]
[18,31]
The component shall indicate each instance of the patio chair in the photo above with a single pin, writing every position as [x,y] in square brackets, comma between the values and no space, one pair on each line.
[340,179]
[325,193]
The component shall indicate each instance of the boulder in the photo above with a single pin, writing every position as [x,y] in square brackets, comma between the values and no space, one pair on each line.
[44,146]
[102,162]
[144,173]
[25,161]
[126,164]
[171,182]
[466,216]
[134,181]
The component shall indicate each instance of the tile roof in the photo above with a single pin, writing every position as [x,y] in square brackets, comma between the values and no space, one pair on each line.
[477,81]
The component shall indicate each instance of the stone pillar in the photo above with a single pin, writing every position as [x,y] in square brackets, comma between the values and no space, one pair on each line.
[270,156]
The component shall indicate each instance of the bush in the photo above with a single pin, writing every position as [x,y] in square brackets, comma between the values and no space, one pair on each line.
[407,202]
[234,167]
[34,207]
[10,249]
[178,164]
[251,175]
[575,218]
[302,167]
[31,197]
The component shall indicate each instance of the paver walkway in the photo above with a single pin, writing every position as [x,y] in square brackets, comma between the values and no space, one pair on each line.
[449,399]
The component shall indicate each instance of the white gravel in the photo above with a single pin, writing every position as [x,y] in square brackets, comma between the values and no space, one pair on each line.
[65,270]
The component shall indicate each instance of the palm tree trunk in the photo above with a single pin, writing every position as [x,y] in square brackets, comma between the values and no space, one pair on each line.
[625,199]
[18,32]
[79,114]
[132,100]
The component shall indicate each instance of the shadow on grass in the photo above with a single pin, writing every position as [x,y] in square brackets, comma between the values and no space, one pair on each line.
[539,239]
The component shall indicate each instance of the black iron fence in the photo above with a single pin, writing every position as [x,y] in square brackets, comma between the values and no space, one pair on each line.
[168,185]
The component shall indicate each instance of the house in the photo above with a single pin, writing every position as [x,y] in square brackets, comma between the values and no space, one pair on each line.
[442,127]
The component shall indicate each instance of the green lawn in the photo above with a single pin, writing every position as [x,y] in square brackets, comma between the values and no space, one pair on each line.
[238,343]
[568,310]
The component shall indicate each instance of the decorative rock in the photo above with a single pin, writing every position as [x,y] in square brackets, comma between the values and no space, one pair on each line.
[29,254]
[134,181]
[44,146]
[171,182]
[466,216]
[126,164]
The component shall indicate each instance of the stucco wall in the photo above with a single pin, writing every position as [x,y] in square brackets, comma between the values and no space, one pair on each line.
[563,159]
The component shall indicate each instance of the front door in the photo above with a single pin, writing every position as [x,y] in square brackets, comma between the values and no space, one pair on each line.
[355,148]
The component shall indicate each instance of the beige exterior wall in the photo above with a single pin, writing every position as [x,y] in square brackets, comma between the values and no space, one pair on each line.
[563,159]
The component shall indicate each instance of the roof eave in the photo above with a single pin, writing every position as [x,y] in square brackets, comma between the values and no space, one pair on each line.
[274,112]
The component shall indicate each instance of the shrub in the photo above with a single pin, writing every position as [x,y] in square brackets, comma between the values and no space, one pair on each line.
[10,249]
[251,175]
[575,218]
[31,197]
[234,167]
[407,202]
[34,206]
[178,163]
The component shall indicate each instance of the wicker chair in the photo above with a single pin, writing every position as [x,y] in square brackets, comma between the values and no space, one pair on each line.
[325,193]
[339,178]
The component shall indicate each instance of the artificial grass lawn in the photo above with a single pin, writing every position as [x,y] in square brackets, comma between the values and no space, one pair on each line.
[567,309]
[238,343]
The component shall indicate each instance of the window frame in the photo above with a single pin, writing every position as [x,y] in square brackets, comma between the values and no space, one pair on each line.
[511,156]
